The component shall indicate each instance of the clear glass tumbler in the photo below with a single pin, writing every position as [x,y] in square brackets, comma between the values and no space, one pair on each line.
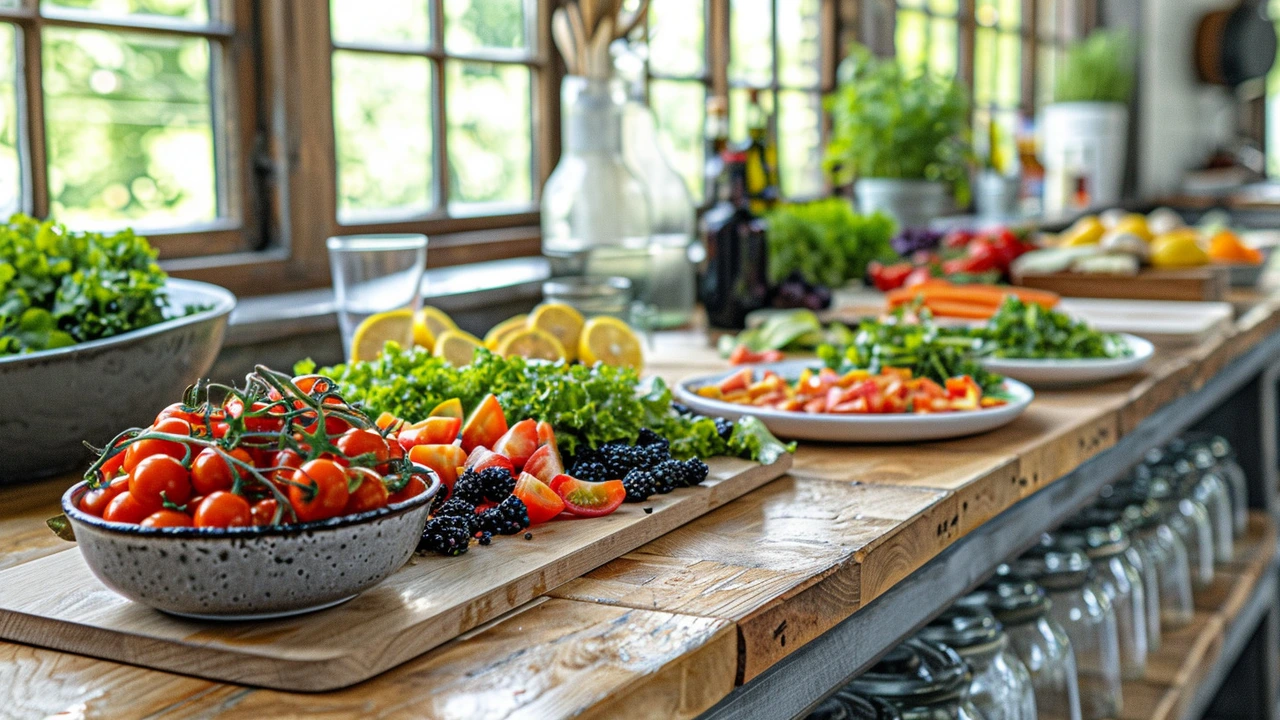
[1001,687]
[591,295]
[923,681]
[375,274]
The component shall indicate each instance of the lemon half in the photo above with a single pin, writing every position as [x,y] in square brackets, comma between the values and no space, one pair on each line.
[609,340]
[376,330]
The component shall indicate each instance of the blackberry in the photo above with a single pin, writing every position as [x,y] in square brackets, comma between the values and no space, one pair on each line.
[681,409]
[485,538]
[492,484]
[446,535]
[695,471]
[457,507]
[618,460]
[670,474]
[639,484]
[724,428]
[590,472]
[508,518]
[649,438]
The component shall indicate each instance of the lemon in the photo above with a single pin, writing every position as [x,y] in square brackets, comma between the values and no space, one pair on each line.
[532,343]
[560,320]
[457,347]
[609,340]
[428,323]
[1135,224]
[1088,230]
[499,332]
[376,330]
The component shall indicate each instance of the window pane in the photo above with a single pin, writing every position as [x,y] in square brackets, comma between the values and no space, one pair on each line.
[799,42]
[1046,73]
[751,42]
[800,144]
[490,140]
[1010,14]
[943,51]
[1047,19]
[193,10]
[681,111]
[739,100]
[985,12]
[396,22]
[382,129]
[911,38]
[130,132]
[472,24]
[944,7]
[10,168]
[1009,70]
[1273,107]
[677,37]
[984,65]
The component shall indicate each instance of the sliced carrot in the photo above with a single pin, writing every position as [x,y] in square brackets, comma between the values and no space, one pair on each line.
[988,295]
[953,309]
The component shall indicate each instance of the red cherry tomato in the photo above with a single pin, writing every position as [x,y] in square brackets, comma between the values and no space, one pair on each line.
[287,461]
[356,442]
[263,512]
[319,490]
[211,472]
[95,502]
[589,499]
[124,509]
[444,459]
[139,449]
[412,489]
[545,464]
[485,426]
[370,494]
[160,478]
[223,510]
[168,518]
[541,501]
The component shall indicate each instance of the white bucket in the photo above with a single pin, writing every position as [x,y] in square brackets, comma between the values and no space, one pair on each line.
[1084,140]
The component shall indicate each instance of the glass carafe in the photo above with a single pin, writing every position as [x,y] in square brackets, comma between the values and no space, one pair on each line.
[1037,640]
[1085,611]
[1001,686]
[595,212]
[923,681]
[1103,538]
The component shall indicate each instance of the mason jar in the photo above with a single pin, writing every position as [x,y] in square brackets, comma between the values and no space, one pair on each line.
[1102,537]
[1001,686]
[1087,615]
[922,680]
[1234,476]
[1109,509]
[1193,472]
[847,705]
[1187,518]
[1168,555]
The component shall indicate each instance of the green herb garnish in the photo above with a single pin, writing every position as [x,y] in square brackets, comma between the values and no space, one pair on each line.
[1027,330]
[826,242]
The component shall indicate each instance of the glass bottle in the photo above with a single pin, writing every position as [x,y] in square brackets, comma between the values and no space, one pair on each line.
[595,212]
[735,274]
[923,681]
[1037,640]
[716,139]
[1001,686]
[762,157]
[1085,611]
[1107,544]
[672,220]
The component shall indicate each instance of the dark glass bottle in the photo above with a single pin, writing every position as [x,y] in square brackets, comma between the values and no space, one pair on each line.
[735,276]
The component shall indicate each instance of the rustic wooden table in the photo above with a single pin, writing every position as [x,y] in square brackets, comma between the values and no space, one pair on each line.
[775,587]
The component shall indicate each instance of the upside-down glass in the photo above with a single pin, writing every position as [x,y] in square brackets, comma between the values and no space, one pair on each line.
[374,274]
[1001,686]
[923,681]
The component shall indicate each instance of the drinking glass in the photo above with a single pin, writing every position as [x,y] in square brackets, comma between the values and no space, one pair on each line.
[374,274]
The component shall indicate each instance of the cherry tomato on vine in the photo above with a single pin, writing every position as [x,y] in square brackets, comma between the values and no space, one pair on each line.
[263,512]
[412,489]
[223,510]
[168,518]
[95,502]
[125,509]
[289,461]
[267,423]
[159,478]
[370,494]
[319,490]
[356,442]
[139,449]
[210,471]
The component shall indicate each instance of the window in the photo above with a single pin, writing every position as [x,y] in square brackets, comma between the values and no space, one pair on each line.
[1271,111]
[433,109]
[779,47]
[997,78]
[124,112]
[927,35]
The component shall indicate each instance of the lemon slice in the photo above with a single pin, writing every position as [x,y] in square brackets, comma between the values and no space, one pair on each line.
[499,332]
[457,347]
[532,343]
[376,330]
[428,323]
[609,340]
[560,320]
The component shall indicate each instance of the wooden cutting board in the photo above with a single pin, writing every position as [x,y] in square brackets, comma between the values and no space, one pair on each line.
[1166,323]
[57,602]
[1208,283]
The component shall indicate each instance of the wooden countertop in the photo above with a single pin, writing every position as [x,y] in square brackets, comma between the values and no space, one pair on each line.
[669,629]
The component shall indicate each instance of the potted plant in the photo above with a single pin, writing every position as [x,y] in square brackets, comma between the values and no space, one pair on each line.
[902,138]
[1086,124]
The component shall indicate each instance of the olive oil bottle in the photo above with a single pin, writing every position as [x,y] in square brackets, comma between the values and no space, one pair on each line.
[735,274]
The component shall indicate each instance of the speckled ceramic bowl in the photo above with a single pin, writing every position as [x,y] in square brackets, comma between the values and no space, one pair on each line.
[252,573]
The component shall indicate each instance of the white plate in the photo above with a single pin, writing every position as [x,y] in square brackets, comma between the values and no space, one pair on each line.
[901,427]
[1058,373]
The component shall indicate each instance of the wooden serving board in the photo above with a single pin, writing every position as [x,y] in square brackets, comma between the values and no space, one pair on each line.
[57,602]
[1208,283]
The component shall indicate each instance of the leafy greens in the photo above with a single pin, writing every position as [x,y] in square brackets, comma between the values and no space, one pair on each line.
[826,242]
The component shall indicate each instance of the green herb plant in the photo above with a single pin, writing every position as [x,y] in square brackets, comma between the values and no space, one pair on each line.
[587,405]
[826,242]
[59,287]
[1099,68]
[1027,330]
[891,123]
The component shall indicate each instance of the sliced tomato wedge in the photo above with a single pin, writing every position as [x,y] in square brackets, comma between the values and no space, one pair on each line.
[483,458]
[519,443]
[737,381]
[547,436]
[449,408]
[485,426]
[542,502]
[432,431]
[589,499]
[444,459]
[545,463]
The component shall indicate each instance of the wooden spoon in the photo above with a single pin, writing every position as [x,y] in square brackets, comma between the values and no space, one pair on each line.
[562,31]
[626,25]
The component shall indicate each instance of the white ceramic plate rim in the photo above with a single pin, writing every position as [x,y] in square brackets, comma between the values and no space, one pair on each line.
[1142,348]
[1021,395]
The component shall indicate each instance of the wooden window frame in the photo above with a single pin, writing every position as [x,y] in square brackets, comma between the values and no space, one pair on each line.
[232,95]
